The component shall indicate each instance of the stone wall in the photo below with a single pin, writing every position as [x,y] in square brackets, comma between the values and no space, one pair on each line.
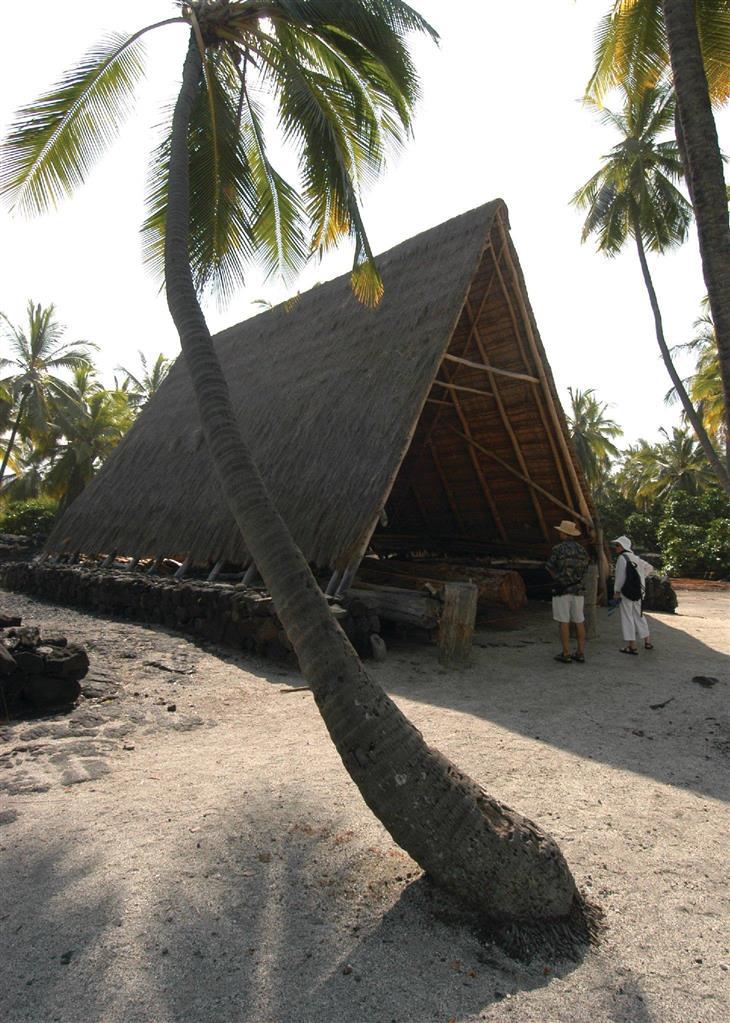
[221,612]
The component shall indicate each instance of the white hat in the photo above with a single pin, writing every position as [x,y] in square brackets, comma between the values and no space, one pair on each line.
[568,527]
[624,541]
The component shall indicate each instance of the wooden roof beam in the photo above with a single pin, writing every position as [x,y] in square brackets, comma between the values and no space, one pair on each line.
[492,369]
[504,416]
[525,479]
[486,489]
[527,322]
[460,387]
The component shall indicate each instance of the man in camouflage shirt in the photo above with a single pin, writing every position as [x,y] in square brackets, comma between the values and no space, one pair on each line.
[567,565]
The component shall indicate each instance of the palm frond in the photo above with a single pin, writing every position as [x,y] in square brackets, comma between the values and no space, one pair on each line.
[54,142]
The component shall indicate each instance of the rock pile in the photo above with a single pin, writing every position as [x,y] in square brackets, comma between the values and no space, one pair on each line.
[42,672]
[659,595]
[221,612]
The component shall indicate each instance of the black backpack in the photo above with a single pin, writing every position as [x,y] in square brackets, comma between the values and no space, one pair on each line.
[632,588]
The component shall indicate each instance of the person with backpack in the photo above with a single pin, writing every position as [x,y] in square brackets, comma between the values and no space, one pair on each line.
[628,590]
[567,565]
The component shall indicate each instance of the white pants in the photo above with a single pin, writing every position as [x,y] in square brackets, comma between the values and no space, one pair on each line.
[633,622]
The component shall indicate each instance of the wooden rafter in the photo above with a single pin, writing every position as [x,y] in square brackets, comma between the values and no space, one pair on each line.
[485,488]
[525,479]
[537,393]
[460,387]
[516,447]
[447,490]
[555,418]
[492,369]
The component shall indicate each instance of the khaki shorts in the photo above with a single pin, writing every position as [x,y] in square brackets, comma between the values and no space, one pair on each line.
[568,608]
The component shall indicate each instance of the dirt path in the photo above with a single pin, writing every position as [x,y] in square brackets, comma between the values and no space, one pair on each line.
[214,862]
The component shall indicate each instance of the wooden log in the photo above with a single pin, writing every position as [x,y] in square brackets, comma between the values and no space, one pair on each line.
[591,600]
[457,624]
[408,607]
[495,586]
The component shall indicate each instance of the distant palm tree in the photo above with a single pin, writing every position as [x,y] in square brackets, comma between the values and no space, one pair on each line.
[89,422]
[592,434]
[142,385]
[685,44]
[652,472]
[634,195]
[705,384]
[37,353]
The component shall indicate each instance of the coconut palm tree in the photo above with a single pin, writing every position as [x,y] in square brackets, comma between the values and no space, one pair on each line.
[37,353]
[343,88]
[633,195]
[643,43]
[704,386]
[592,434]
[652,472]
[89,422]
[140,386]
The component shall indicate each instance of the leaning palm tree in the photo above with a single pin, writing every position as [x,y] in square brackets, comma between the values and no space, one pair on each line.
[634,195]
[343,87]
[592,434]
[37,353]
[644,43]
[140,386]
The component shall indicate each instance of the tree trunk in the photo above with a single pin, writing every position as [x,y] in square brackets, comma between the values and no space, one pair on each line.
[704,172]
[11,441]
[690,411]
[468,842]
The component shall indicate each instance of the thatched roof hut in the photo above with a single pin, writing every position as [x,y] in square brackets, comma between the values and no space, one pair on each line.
[431,422]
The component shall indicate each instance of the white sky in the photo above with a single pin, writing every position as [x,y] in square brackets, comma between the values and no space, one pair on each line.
[499,117]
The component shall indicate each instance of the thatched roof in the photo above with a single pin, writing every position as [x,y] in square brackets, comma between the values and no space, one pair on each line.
[345,415]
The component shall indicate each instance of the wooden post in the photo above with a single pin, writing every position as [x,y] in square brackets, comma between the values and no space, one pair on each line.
[602,566]
[109,560]
[132,564]
[215,570]
[154,567]
[182,570]
[457,624]
[332,584]
[250,574]
[591,601]
[347,576]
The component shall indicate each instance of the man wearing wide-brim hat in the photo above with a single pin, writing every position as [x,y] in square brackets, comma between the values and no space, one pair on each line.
[567,565]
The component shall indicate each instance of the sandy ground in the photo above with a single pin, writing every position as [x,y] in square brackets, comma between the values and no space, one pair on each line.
[215,863]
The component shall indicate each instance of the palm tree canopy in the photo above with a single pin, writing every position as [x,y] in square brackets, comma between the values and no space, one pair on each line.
[37,353]
[635,185]
[140,386]
[631,47]
[654,471]
[340,81]
[705,384]
[592,434]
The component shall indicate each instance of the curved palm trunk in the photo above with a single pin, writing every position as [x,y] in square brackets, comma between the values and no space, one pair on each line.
[11,441]
[689,409]
[704,172]
[490,856]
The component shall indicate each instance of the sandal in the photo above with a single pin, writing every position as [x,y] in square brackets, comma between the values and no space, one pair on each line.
[648,646]
[628,650]
[579,658]
[564,658]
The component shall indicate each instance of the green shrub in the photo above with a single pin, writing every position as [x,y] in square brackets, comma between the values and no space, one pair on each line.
[643,527]
[36,515]
[696,551]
